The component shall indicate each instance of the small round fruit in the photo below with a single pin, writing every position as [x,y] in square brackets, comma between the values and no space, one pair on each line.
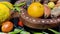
[51,4]
[7,26]
[36,9]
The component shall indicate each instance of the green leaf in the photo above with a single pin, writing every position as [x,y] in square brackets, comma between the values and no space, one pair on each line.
[13,9]
[44,33]
[38,33]
[20,4]
[54,31]
[12,33]
[24,32]
[18,9]
[17,30]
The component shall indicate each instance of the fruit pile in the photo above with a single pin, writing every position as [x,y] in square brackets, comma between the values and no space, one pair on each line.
[9,24]
[50,9]
[13,24]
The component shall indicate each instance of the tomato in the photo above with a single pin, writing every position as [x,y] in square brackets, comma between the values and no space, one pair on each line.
[20,23]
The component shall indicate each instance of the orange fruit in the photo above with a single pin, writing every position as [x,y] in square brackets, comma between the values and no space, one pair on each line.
[7,26]
[36,9]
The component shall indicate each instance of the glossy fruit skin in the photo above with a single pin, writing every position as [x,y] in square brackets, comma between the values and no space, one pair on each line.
[36,9]
[7,26]
[20,23]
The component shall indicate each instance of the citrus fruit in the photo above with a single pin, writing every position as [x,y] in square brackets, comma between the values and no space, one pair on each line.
[4,13]
[51,4]
[36,9]
[8,4]
[4,7]
[7,26]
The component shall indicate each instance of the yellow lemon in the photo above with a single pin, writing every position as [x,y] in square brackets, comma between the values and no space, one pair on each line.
[36,9]
[8,4]
[5,8]
[4,13]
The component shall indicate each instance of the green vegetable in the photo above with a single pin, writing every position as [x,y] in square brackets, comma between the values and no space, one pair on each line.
[17,6]
[20,4]
[12,33]
[38,33]
[24,32]
[54,31]
[18,9]
[17,30]
[44,33]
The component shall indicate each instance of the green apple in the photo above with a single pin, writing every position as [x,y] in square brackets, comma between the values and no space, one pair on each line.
[51,4]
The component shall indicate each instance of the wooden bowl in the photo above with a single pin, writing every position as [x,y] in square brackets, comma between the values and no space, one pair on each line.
[38,23]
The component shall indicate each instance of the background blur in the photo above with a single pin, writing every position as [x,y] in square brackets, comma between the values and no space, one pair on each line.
[12,1]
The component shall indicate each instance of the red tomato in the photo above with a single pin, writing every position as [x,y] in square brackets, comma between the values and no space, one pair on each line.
[20,23]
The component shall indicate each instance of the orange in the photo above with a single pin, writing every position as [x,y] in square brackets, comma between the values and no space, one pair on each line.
[7,26]
[36,9]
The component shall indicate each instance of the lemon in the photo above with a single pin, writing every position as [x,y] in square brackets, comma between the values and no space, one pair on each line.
[2,6]
[4,13]
[36,9]
[8,4]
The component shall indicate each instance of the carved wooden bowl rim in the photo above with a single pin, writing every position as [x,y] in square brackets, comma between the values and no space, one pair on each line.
[38,20]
